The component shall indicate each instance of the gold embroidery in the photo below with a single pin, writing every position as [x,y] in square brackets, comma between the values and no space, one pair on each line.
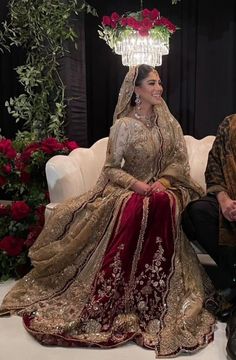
[69,253]
[130,286]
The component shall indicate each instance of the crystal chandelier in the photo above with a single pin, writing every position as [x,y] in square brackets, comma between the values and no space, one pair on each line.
[139,37]
[138,49]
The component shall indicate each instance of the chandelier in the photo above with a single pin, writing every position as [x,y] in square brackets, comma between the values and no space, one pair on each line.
[139,37]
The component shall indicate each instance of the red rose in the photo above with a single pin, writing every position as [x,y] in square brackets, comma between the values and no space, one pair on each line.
[106,21]
[113,24]
[34,232]
[19,165]
[25,177]
[155,14]
[136,25]
[146,12]
[123,22]
[171,27]
[158,22]
[168,24]
[12,245]
[115,17]
[39,212]
[4,210]
[131,22]
[20,210]
[51,145]
[143,32]
[6,168]
[28,151]
[3,180]
[71,145]
[7,149]
[146,24]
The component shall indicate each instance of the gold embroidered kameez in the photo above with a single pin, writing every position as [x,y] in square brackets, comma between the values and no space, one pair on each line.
[111,265]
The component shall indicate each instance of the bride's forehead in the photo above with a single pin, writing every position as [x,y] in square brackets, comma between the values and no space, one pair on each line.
[152,75]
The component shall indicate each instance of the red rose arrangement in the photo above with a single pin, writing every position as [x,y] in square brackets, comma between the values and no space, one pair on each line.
[144,23]
[23,179]
[32,160]
[7,157]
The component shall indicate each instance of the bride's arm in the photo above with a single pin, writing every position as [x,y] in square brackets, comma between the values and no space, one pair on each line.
[117,145]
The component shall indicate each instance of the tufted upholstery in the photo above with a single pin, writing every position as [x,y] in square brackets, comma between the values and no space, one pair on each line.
[74,174]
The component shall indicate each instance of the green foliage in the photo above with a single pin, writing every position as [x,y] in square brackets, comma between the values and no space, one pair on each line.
[41,27]
[13,267]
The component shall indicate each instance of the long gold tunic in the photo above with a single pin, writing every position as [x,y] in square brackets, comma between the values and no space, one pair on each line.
[69,254]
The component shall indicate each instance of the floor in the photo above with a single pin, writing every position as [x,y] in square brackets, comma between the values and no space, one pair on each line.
[16,343]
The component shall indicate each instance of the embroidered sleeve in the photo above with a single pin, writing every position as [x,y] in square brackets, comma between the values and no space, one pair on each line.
[176,168]
[214,174]
[117,145]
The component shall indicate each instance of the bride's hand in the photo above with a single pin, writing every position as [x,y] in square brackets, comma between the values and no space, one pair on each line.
[142,188]
[157,187]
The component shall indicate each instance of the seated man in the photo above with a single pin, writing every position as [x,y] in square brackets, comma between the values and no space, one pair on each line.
[212,220]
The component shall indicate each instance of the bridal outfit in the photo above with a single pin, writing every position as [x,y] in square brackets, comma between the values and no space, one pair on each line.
[113,266]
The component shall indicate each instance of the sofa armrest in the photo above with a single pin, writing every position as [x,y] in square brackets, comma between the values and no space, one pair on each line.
[74,174]
[49,210]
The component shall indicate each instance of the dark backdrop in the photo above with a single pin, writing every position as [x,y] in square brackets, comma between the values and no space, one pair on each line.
[199,74]
[9,86]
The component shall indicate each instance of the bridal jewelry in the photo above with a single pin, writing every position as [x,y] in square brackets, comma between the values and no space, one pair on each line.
[138,102]
[147,120]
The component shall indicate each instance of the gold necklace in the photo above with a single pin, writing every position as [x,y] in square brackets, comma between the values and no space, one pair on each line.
[146,120]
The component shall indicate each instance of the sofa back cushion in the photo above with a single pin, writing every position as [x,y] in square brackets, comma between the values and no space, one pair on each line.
[198,155]
[73,175]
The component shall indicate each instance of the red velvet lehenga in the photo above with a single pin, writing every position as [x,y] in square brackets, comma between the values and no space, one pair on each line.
[113,266]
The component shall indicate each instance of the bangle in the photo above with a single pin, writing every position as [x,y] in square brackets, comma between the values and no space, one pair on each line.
[165,182]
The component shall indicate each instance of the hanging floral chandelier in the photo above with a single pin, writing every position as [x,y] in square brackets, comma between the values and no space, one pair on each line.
[139,37]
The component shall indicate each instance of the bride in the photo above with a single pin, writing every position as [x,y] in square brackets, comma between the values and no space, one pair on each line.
[113,265]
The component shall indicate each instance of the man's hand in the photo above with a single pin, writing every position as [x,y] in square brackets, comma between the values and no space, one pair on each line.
[227,205]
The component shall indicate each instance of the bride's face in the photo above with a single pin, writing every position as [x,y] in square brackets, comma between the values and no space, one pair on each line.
[150,90]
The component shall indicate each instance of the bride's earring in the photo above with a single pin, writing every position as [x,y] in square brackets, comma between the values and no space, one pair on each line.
[138,102]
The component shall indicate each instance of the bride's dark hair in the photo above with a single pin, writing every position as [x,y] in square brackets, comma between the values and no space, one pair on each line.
[143,71]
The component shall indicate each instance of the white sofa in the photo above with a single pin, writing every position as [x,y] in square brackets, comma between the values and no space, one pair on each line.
[74,174]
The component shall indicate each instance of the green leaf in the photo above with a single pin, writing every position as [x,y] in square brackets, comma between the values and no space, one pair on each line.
[41,28]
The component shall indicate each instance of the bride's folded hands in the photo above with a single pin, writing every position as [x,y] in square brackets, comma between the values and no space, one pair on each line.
[157,186]
[142,188]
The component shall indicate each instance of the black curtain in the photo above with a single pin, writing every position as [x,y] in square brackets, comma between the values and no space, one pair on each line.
[198,75]
[9,85]
[73,73]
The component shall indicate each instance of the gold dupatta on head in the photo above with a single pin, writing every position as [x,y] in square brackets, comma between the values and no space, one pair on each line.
[176,165]
[123,107]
